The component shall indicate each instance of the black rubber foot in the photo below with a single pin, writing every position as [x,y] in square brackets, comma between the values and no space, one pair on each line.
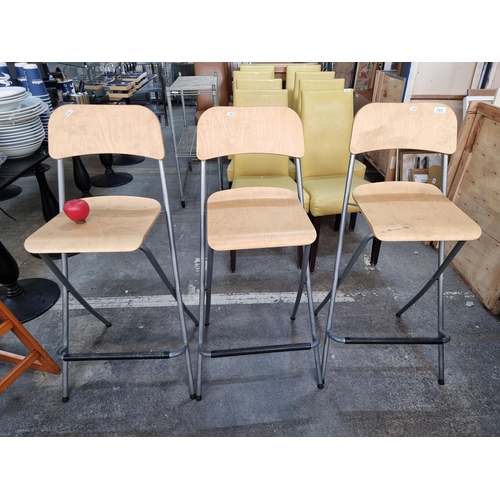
[441,382]
[198,398]
[207,324]
[65,400]
[192,396]
[292,318]
[183,204]
[321,386]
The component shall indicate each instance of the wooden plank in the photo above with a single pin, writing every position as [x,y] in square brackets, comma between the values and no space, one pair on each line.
[475,188]
[388,87]
[481,92]
[456,165]
[434,97]
[477,265]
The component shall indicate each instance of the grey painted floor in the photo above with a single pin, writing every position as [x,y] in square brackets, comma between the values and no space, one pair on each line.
[369,390]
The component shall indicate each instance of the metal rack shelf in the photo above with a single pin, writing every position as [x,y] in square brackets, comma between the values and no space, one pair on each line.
[185,144]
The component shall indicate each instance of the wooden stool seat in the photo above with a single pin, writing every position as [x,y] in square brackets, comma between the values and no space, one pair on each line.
[106,228]
[413,211]
[257,217]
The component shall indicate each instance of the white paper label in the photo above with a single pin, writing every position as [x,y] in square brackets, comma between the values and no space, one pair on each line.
[230,113]
[440,110]
[413,108]
[69,112]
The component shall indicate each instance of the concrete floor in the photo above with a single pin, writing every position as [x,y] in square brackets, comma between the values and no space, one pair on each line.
[369,390]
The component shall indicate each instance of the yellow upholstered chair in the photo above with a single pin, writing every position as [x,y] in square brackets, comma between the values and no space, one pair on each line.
[305,84]
[266,75]
[259,84]
[252,217]
[248,170]
[260,97]
[291,69]
[402,211]
[115,223]
[327,117]
[314,75]
[257,68]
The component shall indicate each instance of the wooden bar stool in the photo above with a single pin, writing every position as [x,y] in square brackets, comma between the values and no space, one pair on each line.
[403,211]
[115,223]
[252,217]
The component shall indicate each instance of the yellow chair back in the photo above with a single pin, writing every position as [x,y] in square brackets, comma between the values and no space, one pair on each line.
[291,69]
[257,67]
[259,84]
[306,84]
[327,118]
[251,75]
[317,75]
[260,97]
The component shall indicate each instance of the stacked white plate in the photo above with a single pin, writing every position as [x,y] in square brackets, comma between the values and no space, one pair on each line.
[11,97]
[21,129]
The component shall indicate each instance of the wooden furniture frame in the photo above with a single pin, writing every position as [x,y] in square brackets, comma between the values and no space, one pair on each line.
[38,358]
[115,223]
[403,211]
[474,186]
[251,217]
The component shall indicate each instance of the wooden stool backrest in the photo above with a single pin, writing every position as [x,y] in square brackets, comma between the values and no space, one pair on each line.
[232,130]
[76,130]
[421,126]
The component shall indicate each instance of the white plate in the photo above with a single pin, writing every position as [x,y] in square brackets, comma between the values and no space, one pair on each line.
[25,105]
[21,144]
[19,135]
[21,152]
[24,127]
[9,92]
[9,104]
[16,117]
[6,128]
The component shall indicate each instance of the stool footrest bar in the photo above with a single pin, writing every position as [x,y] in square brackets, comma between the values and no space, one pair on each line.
[115,356]
[260,350]
[397,340]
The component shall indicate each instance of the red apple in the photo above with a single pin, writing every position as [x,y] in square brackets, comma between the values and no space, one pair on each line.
[77,210]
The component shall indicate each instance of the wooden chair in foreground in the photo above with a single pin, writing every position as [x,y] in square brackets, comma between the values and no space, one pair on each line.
[252,217]
[403,211]
[38,358]
[115,223]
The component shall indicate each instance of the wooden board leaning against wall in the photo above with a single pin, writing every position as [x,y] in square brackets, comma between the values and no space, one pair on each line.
[474,186]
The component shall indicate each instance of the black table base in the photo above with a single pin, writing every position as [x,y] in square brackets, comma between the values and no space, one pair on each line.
[9,192]
[38,296]
[124,160]
[110,178]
